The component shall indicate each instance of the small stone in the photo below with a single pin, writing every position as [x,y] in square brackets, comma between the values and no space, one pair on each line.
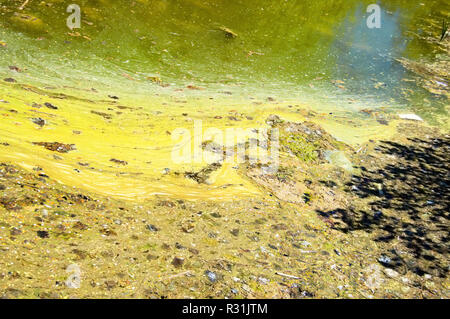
[110,284]
[79,225]
[391,273]
[194,251]
[38,121]
[178,262]
[151,257]
[306,243]
[385,260]
[152,228]
[212,276]
[43,234]
[235,232]
[15,231]
[179,246]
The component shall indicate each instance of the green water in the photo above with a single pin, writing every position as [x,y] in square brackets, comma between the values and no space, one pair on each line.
[285,49]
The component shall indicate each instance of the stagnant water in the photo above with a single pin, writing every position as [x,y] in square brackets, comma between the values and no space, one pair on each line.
[172,62]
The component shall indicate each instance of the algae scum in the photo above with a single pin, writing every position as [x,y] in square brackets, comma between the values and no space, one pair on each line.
[357,206]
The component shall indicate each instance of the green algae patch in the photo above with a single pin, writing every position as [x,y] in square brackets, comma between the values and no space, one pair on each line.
[307,141]
[299,146]
[304,157]
[28,23]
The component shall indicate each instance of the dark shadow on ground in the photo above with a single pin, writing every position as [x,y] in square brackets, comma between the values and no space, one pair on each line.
[407,195]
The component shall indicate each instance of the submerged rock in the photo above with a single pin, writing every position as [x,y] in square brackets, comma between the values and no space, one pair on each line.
[339,159]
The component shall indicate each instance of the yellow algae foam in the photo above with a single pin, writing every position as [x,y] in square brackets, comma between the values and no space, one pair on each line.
[124,147]
[123,151]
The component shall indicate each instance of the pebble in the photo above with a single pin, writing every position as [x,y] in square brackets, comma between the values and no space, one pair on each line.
[384,259]
[42,233]
[38,121]
[235,232]
[178,262]
[306,243]
[212,276]
[152,228]
[391,273]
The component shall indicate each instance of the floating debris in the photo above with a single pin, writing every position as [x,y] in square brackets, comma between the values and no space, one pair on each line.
[412,117]
[228,32]
[105,115]
[50,106]
[39,121]
[15,68]
[56,146]
[118,161]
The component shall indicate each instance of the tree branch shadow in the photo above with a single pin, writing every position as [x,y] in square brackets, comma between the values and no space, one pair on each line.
[407,194]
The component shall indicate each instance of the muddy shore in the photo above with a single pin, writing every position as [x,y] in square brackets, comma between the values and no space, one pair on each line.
[318,231]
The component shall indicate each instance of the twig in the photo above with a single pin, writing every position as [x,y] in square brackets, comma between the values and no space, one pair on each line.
[177,275]
[24,4]
[287,276]
[444,30]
